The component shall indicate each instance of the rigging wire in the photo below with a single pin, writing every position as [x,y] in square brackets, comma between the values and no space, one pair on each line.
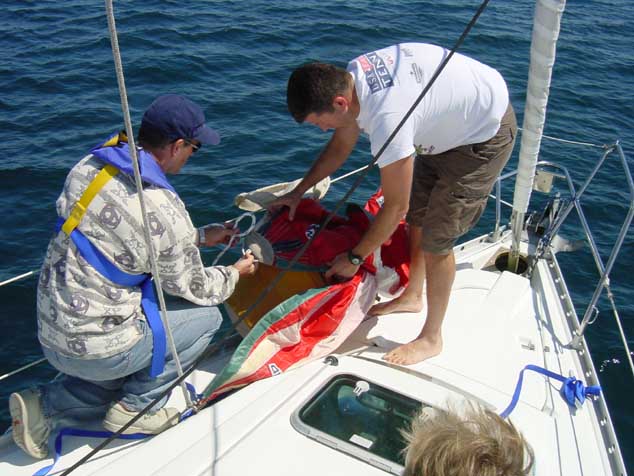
[212,348]
[363,173]
[139,185]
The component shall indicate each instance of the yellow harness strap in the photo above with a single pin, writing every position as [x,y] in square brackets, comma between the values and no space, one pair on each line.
[115,139]
[93,188]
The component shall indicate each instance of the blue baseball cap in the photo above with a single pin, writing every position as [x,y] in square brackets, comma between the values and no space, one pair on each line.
[176,117]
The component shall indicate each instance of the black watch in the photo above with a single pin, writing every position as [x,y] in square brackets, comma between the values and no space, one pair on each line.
[354,259]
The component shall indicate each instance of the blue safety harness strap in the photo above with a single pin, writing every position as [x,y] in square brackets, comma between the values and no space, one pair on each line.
[83,433]
[573,391]
[97,260]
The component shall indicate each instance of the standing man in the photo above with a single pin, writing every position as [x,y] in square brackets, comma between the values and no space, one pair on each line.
[98,321]
[441,165]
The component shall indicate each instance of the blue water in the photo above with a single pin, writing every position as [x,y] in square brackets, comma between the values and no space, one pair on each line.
[60,97]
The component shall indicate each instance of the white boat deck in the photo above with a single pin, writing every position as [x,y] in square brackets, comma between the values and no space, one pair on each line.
[496,324]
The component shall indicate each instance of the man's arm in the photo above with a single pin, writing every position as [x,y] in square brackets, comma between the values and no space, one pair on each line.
[396,181]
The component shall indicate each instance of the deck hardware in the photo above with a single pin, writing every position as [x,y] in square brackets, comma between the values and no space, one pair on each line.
[527,343]
[594,315]
[543,181]
[361,387]
[501,263]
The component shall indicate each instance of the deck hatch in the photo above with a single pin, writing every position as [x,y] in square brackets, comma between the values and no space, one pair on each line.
[358,417]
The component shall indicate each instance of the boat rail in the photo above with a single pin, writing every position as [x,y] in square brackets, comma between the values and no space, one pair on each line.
[544,245]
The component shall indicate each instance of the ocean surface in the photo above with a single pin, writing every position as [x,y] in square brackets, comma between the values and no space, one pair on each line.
[59,97]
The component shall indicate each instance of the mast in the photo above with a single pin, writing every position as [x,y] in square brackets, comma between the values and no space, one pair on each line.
[546,24]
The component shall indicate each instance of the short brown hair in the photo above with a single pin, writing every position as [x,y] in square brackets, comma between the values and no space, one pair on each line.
[152,138]
[312,88]
[478,442]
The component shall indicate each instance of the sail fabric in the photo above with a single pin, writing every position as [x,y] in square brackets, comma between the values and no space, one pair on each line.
[393,256]
[314,322]
[543,46]
[302,328]
[338,236]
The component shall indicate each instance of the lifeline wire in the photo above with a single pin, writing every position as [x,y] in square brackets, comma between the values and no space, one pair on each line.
[212,348]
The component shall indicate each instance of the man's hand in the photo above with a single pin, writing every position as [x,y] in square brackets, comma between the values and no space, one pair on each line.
[246,265]
[290,200]
[216,234]
[342,268]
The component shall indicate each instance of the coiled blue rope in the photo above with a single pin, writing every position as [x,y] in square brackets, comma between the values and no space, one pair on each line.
[573,391]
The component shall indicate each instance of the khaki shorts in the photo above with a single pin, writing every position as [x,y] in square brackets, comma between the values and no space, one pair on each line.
[450,190]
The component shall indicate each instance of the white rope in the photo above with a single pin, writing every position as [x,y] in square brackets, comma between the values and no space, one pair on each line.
[235,236]
[137,176]
[238,219]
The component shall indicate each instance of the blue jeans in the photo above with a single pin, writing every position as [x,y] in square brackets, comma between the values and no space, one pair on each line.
[87,388]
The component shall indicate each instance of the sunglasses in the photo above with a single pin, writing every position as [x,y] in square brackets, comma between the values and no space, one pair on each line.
[194,147]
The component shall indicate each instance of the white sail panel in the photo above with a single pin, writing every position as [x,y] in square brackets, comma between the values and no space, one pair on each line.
[543,46]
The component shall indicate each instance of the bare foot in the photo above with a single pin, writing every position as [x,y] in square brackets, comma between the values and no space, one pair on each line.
[414,352]
[403,303]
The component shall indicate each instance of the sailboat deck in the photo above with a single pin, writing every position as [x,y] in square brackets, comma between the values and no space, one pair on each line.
[496,324]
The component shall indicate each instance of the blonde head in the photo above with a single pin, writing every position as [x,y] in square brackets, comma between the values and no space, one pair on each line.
[476,443]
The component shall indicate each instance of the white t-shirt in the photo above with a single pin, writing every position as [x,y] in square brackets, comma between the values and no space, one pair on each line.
[464,105]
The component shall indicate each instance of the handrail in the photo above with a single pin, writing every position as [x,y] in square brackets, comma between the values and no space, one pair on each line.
[591,311]
[604,281]
[499,202]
